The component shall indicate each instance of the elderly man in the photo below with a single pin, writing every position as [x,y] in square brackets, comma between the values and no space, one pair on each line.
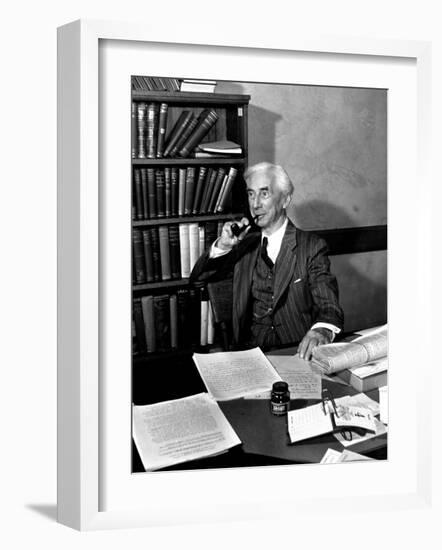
[283,291]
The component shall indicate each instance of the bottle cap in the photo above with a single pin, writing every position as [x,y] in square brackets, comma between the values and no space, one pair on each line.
[280,387]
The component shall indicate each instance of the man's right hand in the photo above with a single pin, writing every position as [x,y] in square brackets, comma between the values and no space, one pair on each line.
[227,239]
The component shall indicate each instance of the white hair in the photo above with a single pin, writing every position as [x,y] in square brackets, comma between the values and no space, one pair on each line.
[275,173]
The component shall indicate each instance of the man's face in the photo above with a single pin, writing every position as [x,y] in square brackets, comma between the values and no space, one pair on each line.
[266,201]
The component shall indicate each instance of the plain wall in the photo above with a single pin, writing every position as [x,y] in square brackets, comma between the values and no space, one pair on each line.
[333,143]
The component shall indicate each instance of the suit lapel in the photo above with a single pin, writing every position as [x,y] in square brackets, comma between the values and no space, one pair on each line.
[242,277]
[285,262]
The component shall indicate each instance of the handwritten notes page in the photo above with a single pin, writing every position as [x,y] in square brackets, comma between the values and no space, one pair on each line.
[308,422]
[233,374]
[177,431]
[303,382]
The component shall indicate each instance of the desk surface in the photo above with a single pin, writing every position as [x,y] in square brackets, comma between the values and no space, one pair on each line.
[264,436]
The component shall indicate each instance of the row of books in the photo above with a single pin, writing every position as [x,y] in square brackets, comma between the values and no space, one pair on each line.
[173,191]
[169,252]
[155,83]
[172,321]
[149,126]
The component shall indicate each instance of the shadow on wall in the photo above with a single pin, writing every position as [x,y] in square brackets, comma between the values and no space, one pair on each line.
[362,278]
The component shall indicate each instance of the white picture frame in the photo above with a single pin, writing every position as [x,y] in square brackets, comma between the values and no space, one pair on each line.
[80,262]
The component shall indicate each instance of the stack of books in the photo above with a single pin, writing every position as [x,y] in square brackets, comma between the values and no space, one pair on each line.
[219,149]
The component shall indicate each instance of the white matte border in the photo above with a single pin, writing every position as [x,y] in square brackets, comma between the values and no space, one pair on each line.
[169,495]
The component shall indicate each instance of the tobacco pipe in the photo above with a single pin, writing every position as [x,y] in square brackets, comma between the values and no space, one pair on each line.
[236,230]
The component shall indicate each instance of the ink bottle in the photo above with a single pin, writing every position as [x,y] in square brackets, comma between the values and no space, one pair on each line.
[280,398]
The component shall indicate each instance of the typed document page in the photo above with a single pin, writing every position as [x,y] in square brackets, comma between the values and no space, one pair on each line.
[234,374]
[176,431]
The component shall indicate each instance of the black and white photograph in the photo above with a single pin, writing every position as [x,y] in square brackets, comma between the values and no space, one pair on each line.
[259,274]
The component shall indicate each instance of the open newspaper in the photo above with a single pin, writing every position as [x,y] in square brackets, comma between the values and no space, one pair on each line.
[180,430]
[371,346]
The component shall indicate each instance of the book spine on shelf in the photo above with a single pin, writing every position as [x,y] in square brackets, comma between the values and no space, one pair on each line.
[199,189]
[138,257]
[205,121]
[190,190]
[202,236]
[174,242]
[216,188]
[145,192]
[141,127]
[194,243]
[156,257]
[139,325]
[163,233]
[224,195]
[210,325]
[134,136]
[138,191]
[167,192]
[149,323]
[151,130]
[160,191]
[219,229]
[195,315]
[176,131]
[184,249]
[183,318]
[147,244]
[181,190]
[162,125]
[187,131]
[173,321]
[146,82]
[203,322]
[152,193]
[220,193]
[162,321]
[174,191]
[208,188]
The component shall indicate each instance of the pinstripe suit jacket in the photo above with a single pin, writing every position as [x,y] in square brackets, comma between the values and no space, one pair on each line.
[305,292]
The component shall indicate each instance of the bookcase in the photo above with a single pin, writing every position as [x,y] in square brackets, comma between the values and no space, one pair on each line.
[180,199]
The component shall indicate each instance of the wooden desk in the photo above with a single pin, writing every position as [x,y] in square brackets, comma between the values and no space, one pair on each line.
[264,437]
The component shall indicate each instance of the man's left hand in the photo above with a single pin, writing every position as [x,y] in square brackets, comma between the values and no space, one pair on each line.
[313,338]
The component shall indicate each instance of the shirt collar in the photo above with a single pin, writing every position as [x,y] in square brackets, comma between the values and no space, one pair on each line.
[274,241]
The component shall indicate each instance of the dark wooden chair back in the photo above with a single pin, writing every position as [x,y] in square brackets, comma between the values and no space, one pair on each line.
[221,299]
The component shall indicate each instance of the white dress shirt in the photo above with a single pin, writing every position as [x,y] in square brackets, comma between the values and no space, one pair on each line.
[274,242]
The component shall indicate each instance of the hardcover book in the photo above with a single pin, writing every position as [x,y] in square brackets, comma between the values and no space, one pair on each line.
[163,233]
[151,130]
[141,127]
[199,189]
[162,125]
[138,257]
[206,120]
[177,130]
[147,244]
[152,193]
[149,323]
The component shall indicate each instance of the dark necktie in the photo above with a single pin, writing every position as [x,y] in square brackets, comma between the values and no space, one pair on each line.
[264,254]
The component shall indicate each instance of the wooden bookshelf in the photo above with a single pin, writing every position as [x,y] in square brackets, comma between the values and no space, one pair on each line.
[231,124]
